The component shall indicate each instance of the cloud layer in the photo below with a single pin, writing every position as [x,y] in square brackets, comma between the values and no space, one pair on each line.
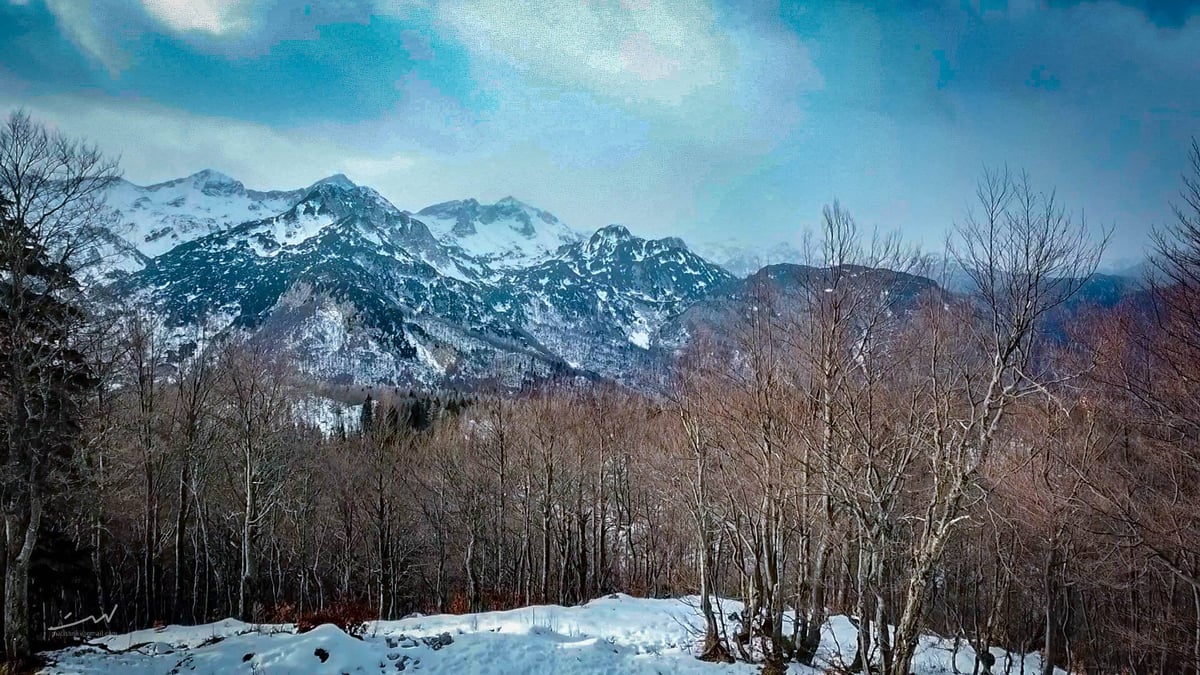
[702,118]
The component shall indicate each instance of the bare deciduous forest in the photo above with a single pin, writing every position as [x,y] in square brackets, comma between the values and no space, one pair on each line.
[856,443]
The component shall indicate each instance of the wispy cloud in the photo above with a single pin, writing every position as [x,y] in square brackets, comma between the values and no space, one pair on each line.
[218,17]
[166,142]
[92,26]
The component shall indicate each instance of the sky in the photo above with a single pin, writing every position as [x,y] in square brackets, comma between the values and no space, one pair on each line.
[708,119]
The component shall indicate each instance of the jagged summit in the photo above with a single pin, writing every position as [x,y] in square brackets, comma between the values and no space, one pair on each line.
[616,286]
[674,242]
[605,240]
[614,230]
[471,210]
[616,237]
[153,219]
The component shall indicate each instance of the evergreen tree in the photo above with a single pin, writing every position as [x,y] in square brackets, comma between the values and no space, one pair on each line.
[418,414]
[366,420]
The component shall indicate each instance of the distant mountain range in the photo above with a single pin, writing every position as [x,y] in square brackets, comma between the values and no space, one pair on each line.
[743,260]
[363,292]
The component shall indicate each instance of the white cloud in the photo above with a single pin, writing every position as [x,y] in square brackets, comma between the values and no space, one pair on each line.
[598,111]
[652,191]
[156,143]
[375,167]
[218,17]
[633,49]
[704,81]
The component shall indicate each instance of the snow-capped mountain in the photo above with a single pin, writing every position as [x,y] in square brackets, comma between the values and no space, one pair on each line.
[362,291]
[505,235]
[742,260]
[358,288]
[151,220]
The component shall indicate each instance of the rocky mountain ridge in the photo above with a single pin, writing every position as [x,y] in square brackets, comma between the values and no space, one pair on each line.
[365,292]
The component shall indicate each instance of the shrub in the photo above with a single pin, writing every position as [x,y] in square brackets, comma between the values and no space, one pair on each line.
[459,604]
[283,613]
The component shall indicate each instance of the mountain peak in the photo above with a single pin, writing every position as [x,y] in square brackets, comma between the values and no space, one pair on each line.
[452,208]
[674,242]
[341,197]
[211,176]
[336,180]
[614,230]
[614,233]
[606,240]
[214,183]
[506,234]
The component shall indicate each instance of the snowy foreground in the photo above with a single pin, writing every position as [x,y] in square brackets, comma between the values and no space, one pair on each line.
[615,634]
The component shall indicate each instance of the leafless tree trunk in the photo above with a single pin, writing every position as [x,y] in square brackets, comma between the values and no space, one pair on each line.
[50,203]
[257,385]
[1025,256]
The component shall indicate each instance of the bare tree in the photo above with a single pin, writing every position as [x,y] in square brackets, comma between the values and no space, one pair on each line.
[1149,372]
[50,192]
[258,393]
[846,334]
[1025,256]
[144,361]
[697,451]
[192,432]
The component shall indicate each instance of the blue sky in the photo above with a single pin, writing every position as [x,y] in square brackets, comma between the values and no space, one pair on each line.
[713,120]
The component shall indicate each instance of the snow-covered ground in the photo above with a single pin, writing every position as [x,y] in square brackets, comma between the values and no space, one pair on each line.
[617,634]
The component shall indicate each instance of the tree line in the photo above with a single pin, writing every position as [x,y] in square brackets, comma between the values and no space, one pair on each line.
[849,440]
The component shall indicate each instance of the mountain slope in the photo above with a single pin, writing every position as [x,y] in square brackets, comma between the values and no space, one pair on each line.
[788,287]
[599,302]
[362,290]
[151,220]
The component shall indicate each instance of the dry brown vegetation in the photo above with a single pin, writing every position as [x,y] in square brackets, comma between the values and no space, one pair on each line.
[928,461]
